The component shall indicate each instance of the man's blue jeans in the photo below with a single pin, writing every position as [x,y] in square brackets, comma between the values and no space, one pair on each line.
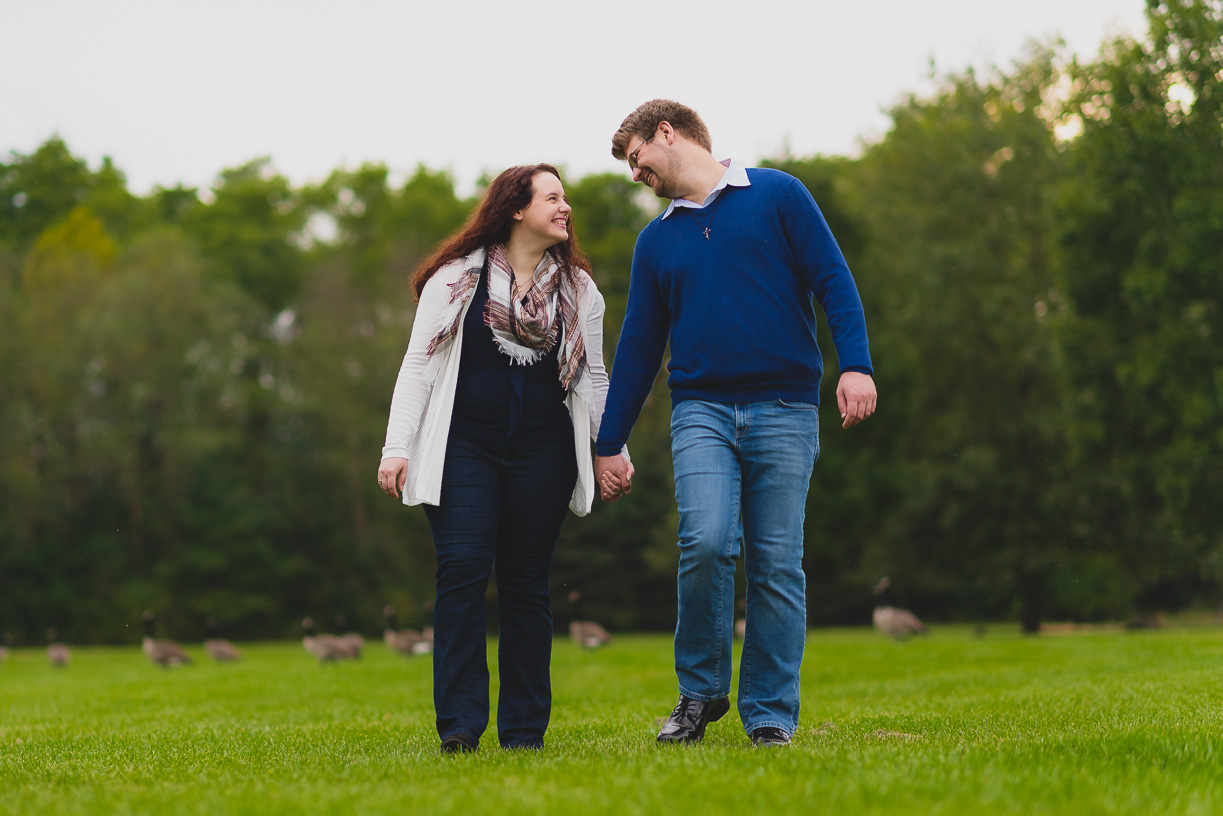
[747,464]
[501,510]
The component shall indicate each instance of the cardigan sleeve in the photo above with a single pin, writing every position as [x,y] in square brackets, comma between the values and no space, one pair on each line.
[411,388]
[593,338]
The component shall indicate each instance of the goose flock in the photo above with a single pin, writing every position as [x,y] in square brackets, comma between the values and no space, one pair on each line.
[325,648]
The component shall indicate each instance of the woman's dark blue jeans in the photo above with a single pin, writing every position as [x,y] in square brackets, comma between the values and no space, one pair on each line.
[501,510]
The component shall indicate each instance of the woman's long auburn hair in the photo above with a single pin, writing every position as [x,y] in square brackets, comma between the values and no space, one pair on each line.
[491,224]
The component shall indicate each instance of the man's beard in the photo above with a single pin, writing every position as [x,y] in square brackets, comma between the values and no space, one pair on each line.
[665,188]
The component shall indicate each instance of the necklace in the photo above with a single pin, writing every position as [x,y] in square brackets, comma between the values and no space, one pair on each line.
[704,228]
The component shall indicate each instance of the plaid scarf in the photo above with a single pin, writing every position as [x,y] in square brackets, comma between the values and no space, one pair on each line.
[524,325]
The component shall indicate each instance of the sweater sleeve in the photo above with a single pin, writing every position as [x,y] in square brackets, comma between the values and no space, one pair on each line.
[827,276]
[593,338]
[411,390]
[643,338]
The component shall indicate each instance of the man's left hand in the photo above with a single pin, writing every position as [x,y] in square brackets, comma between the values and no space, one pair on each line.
[856,397]
[615,476]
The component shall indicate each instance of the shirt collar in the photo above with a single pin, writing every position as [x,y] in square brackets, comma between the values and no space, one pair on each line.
[735,176]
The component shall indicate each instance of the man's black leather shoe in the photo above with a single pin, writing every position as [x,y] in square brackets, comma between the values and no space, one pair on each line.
[767,735]
[688,720]
[458,744]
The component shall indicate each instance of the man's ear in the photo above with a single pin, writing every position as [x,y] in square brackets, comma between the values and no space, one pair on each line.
[667,131]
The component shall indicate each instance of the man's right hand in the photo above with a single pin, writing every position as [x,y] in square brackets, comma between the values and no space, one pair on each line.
[615,476]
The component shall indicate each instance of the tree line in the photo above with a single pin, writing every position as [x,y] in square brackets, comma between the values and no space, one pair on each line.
[195,384]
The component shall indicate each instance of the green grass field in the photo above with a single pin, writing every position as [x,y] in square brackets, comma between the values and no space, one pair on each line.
[1098,722]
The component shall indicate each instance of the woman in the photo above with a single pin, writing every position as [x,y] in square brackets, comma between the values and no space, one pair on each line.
[494,412]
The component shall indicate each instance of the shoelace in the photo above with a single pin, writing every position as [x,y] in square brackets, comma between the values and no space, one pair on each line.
[687,708]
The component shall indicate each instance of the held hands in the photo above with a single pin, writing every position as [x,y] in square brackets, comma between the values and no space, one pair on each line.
[615,476]
[856,397]
[392,473]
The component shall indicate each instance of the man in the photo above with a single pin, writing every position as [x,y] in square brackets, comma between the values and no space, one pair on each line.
[726,274]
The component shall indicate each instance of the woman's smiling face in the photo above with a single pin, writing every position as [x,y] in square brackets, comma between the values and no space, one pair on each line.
[547,216]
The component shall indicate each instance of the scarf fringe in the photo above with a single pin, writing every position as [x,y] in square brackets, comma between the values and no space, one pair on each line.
[519,355]
[460,291]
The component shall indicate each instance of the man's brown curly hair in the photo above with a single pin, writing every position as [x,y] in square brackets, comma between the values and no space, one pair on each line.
[646,119]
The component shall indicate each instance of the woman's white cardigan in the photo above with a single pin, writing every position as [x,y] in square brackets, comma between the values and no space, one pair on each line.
[423,401]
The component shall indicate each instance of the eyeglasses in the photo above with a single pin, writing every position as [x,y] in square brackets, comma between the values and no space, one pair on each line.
[632,157]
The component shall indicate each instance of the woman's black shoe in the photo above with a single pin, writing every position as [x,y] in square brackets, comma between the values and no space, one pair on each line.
[458,744]
[688,720]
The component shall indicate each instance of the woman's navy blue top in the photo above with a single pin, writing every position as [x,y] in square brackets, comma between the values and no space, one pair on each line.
[500,402]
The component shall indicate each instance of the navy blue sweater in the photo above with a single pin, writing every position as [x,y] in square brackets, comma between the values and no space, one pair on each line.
[736,308]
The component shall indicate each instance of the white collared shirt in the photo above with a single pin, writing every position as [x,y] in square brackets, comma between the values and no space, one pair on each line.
[735,176]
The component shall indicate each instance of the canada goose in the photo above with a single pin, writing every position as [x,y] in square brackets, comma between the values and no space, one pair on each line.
[587,634]
[355,641]
[164,653]
[893,622]
[57,653]
[327,648]
[424,645]
[218,649]
[403,641]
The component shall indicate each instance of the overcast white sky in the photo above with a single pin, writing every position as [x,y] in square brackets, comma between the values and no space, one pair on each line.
[174,91]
